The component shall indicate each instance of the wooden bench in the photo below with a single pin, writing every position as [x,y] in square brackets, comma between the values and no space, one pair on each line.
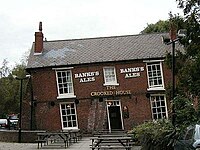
[113,147]
[104,132]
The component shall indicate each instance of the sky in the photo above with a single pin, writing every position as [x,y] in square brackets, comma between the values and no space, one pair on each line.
[73,19]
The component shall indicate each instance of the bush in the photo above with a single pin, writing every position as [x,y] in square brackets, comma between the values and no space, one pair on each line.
[156,135]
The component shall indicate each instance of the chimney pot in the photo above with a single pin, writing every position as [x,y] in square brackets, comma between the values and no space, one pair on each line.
[40,26]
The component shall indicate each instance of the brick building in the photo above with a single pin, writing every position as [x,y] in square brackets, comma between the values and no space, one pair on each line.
[97,83]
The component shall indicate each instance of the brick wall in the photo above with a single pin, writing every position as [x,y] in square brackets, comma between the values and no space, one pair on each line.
[91,113]
[12,136]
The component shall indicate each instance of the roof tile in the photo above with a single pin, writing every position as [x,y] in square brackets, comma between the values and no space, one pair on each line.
[104,49]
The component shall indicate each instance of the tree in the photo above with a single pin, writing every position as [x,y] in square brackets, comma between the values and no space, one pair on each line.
[188,74]
[4,70]
[189,7]
[160,26]
[164,25]
[9,87]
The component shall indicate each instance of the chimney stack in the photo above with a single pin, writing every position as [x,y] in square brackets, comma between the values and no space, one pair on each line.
[173,32]
[39,40]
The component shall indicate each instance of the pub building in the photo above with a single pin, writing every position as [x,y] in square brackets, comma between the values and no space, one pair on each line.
[104,83]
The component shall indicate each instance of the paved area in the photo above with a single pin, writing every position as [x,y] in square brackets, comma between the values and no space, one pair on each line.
[82,144]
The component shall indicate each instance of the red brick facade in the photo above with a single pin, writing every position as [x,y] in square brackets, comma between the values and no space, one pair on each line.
[92,110]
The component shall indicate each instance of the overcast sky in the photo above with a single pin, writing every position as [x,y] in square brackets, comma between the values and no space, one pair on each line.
[72,19]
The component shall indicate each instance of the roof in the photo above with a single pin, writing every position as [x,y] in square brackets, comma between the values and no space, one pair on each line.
[102,49]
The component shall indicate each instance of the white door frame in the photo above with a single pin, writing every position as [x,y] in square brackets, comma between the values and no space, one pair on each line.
[110,103]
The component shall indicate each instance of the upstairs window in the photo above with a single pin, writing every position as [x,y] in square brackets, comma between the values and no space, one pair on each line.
[155,75]
[110,76]
[64,83]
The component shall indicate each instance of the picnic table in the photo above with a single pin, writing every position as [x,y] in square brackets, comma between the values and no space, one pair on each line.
[111,142]
[65,135]
[114,140]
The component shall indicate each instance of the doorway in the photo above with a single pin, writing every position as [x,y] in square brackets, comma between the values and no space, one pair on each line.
[114,115]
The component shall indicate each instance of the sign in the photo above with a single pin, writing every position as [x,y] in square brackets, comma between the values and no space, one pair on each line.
[86,76]
[132,72]
[110,93]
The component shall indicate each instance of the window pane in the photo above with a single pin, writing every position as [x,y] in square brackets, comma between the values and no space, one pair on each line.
[64,124]
[72,105]
[63,112]
[74,123]
[68,111]
[73,111]
[69,124]
[59,74]
[73,117]
[64,119]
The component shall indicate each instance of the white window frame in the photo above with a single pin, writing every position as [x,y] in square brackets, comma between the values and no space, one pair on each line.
[67,115]
[65,95]
[158,106]
[115,77]
[158,86]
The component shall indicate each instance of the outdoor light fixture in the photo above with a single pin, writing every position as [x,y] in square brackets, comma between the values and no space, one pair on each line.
[101,99]
[110,103]
[20,103]
[76,101]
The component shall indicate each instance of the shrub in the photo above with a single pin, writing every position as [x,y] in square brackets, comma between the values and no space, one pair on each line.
[156,135]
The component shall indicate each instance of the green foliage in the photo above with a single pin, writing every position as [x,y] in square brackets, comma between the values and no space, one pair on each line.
[161,134]
[156,135]
[160,26]
[164,26]
[185,112]
[189,6]
[4,69]
[9,88]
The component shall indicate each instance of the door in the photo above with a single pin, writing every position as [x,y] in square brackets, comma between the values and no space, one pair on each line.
[114,115]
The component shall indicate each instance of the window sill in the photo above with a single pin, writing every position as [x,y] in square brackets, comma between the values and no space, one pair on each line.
[107,84]
[66,96]
[156,89]
[69,128]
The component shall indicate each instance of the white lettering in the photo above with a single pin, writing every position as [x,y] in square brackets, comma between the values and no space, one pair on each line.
[89,79]
[132,75]
[122,71]
[76,75]
[86,76]
[141,68]
[130,70]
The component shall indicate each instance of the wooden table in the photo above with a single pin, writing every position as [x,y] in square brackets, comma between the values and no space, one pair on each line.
[46,136]
[111,142]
